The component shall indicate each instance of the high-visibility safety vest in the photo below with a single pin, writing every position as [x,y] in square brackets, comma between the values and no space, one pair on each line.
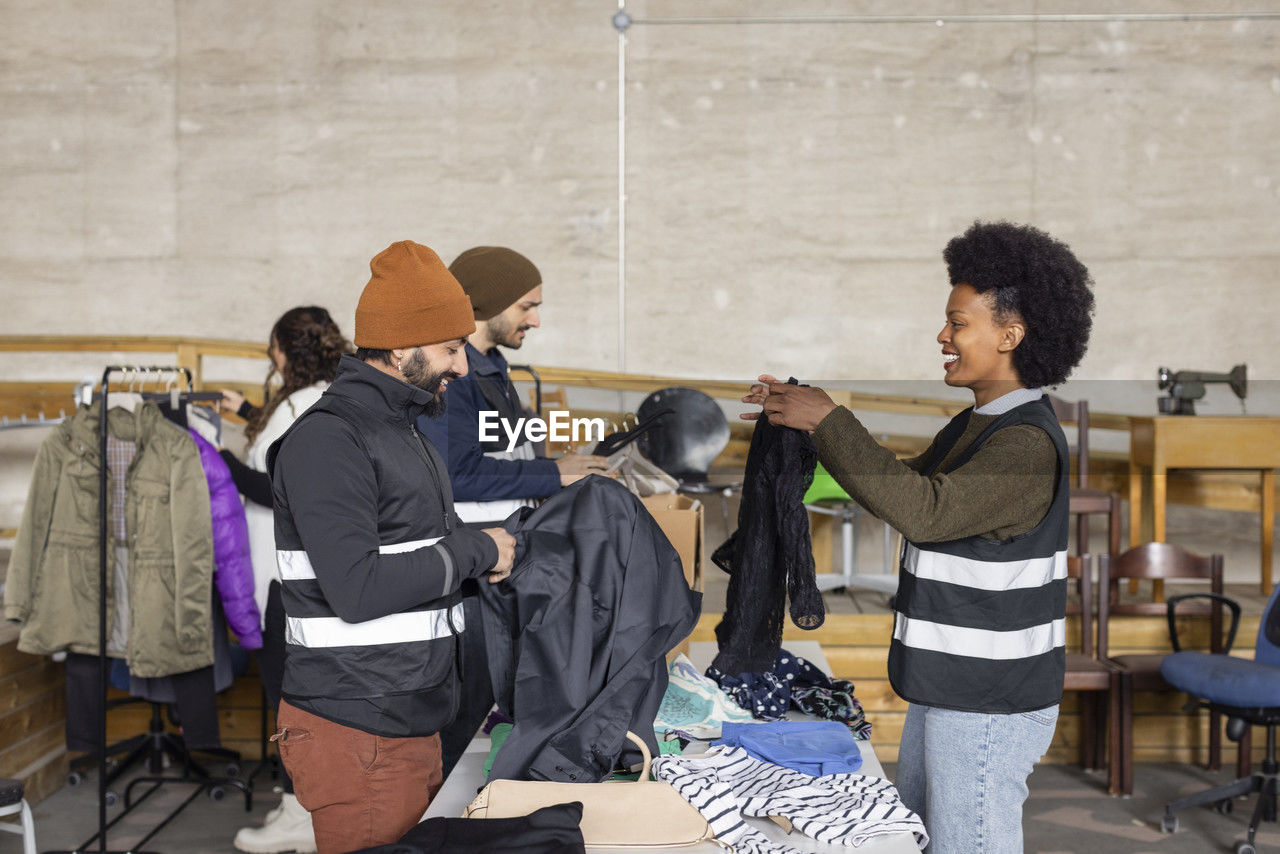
[980,624]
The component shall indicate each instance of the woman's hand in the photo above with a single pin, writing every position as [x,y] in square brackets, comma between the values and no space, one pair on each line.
[788,405]
[231,401]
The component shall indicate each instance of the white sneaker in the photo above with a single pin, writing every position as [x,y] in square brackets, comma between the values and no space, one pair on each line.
[286,828]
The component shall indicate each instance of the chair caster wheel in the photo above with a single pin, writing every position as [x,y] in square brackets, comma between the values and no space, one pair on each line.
[75,778]
[1169,824]
[233,769]
[1224,806]
[1245,848]
[111,798]
[217,793]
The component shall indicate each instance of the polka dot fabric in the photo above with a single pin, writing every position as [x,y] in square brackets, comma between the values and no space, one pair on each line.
[795,683]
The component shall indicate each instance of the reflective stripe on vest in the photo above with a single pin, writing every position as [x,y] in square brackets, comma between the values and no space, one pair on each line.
[983,574]
[295,565]
[491,511]
[980,643]
[318,632]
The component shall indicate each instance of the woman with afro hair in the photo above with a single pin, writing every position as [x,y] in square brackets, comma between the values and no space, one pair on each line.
[978,647]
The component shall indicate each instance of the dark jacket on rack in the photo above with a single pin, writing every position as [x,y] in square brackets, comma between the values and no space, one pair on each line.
[371,555]
[577,636]
[233,567]
[52,586]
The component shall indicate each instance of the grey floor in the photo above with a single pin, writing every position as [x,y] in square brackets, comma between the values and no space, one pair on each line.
[1068,812]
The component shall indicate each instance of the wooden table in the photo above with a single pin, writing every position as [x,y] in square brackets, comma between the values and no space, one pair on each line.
[1166,442]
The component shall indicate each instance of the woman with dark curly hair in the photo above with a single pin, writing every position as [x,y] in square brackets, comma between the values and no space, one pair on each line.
[978,647]
[304,347]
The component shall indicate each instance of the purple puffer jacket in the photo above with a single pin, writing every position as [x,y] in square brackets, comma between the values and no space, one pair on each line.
[233,567]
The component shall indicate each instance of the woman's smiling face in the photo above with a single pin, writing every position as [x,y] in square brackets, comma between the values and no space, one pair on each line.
[976,348]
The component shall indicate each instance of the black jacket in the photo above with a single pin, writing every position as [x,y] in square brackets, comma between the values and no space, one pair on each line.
[370,556]
[577,637]
[550,830]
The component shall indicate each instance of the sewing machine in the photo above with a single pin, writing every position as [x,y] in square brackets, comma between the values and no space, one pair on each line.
[1186,387]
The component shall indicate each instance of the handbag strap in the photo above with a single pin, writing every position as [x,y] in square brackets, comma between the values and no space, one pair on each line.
[644,752]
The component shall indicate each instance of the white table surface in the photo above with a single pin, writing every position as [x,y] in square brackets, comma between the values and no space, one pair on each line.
[468,777]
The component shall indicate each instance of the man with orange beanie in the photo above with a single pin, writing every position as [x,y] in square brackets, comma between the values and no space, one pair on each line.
[371,556]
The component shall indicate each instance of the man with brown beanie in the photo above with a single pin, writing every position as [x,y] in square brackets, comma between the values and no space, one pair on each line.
[371,556]
[491,480]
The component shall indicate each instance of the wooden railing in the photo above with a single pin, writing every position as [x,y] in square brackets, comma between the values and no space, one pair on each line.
[49,397]
[1107,470]
[191,353]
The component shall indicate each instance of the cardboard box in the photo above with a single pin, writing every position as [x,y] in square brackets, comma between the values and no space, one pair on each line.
[680,518]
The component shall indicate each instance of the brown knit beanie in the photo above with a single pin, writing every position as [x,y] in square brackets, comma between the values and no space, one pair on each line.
[411,300]
[494,277]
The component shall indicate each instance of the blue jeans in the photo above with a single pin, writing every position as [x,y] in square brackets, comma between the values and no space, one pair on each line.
[965,774]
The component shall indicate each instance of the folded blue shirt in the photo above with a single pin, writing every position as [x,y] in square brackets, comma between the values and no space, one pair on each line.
[810,747]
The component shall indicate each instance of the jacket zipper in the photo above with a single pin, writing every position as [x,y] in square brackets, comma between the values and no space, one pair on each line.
[417,443]
[444,510]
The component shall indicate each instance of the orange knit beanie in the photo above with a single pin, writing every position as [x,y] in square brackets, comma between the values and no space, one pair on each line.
[412,299]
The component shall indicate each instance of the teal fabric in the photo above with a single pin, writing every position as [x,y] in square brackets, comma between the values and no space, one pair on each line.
[496,737]
[694,704]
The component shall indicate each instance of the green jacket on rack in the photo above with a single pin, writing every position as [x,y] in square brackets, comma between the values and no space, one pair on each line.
[53,581]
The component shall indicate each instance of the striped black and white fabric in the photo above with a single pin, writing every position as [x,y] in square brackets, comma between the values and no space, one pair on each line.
[842,809]
[980,623]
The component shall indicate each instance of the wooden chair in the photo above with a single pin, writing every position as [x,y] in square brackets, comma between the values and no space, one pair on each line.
[1085,502]
[1141,672]
[1096,680]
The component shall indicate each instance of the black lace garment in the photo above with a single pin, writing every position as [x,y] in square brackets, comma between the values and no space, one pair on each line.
[770,556]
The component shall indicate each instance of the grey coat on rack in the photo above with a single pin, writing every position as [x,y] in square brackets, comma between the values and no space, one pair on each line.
[52,586]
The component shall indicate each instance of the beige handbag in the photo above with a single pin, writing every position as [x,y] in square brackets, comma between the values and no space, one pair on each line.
[643,814]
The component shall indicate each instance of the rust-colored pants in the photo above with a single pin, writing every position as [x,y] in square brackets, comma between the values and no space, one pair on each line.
[361,789]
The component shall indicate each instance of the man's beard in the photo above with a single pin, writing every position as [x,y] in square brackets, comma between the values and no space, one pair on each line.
[503,333]
[418,373]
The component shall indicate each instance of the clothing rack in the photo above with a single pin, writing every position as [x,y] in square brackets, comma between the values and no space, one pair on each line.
[157,742]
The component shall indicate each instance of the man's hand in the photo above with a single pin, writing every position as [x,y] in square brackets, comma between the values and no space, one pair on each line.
[574,467]
[788,405]
[231,401]
[506,554]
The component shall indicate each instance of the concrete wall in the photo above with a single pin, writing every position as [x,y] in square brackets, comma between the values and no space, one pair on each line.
[196,167]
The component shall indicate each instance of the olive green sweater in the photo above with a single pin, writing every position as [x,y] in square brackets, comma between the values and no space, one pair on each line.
[1002,491]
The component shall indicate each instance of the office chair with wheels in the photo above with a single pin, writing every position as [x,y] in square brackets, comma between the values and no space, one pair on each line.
[1248,693]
